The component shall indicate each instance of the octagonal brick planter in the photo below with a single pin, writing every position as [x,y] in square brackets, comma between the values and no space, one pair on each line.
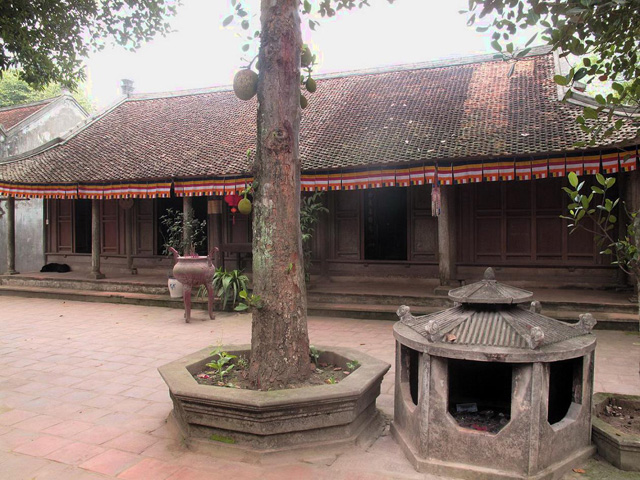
[248,425]
[616,446]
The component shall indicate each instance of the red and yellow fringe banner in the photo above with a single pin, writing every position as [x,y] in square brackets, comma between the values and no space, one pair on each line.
[442,174]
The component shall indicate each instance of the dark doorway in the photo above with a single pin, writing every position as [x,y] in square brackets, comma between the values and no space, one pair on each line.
[385,224]
[410,371]
[199,205]
[565,387]
[480,394]
[82,232]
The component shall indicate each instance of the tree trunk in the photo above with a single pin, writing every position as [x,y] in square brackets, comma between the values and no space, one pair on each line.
[279,341]
[636,270]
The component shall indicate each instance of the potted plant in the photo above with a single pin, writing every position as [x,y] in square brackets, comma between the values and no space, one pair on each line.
[228,285]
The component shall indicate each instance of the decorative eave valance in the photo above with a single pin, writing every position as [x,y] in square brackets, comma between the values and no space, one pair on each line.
[441,173]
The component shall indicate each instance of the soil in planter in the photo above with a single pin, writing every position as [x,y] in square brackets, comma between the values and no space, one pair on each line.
[624,416]
[238,377]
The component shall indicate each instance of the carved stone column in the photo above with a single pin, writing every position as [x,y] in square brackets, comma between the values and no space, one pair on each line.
[11,236]
[95,240]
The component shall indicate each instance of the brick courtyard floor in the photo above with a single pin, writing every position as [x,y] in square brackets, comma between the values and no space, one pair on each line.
[81,398]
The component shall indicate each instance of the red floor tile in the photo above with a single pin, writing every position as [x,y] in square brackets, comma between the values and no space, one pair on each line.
[149,468]
[111,462]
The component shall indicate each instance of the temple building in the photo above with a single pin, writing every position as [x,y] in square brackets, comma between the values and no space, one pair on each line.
[27,128]
[433,170]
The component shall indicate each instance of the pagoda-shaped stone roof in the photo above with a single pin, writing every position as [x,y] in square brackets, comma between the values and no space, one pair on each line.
[487,314]
[489,291]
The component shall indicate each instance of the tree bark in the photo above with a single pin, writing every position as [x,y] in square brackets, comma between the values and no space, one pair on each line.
[280,340]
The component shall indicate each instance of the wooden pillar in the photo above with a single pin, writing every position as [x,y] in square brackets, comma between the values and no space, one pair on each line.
[632,197]
[129,226]
[187,215]
[447,236]
[11,236]
[214,209]
[95,240]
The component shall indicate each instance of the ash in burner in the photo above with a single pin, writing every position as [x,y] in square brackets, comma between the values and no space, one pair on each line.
[468,416]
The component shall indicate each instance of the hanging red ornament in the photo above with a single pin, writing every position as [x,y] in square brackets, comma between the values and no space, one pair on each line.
[232,200]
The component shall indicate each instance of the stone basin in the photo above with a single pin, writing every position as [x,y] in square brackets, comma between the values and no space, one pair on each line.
[620,448]
[249,424]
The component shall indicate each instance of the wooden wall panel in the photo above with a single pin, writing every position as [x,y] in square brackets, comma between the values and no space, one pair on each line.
[144,232]
[518,223]
[347,234]
[64,226]
[423,227]
[110,227]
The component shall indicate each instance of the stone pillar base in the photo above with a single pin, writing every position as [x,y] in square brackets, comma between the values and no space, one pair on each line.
[96,275]
[11,272]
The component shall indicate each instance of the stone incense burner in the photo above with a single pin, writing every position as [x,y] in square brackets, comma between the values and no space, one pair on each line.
[488,389]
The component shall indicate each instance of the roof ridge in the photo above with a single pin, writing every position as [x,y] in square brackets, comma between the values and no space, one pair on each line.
[30,104]
[454,61]
[429,64]
[65,137]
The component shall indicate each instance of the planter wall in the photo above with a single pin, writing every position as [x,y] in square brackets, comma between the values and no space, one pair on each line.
[616,446]
[252,424]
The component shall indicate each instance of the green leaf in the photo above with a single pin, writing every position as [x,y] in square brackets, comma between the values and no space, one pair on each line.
[227,20]
[600,179]
[617,87]
[580,74]
[496,45]
[241,307]
[561,80]
[573,179]
[610,182]
[590,113]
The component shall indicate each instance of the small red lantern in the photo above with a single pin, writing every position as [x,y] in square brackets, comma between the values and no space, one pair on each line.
[232,200]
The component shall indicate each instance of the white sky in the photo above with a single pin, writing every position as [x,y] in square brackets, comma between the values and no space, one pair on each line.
[201,53]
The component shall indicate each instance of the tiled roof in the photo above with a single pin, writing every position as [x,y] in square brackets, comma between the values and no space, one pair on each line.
[11,116]
[469,110]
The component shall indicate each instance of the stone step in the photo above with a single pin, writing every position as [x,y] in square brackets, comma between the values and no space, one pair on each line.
[105,285]
[611,320]
[132,298]
[429,300]
[606,320]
